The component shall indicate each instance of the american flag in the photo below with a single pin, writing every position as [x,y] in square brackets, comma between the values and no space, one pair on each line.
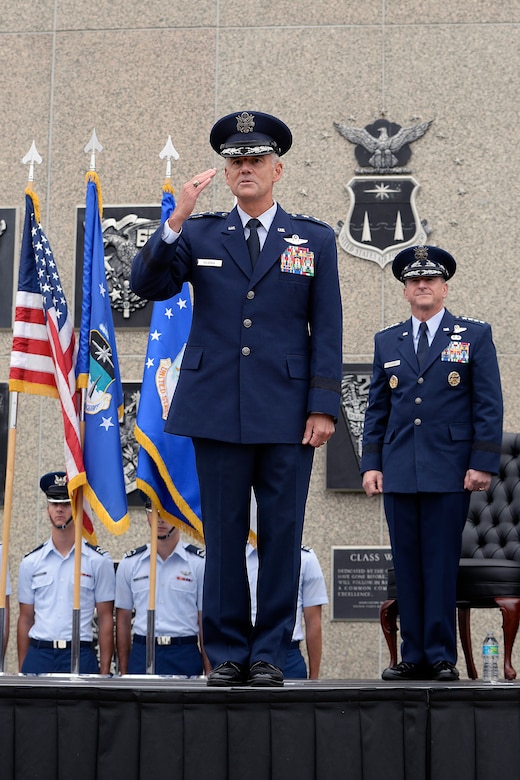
[44,349]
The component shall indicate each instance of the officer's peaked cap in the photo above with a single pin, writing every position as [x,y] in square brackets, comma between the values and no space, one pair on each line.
[423,260]
[250,134]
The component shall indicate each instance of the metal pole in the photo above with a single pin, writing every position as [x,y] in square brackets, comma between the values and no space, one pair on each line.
[150,618]
[8,503]
[76,608]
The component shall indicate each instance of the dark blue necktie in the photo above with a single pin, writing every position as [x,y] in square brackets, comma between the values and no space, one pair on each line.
[423,345]
[253,242]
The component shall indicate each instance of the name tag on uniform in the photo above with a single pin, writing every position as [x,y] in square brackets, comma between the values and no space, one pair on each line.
[392,363]
[456,352]
[209,261]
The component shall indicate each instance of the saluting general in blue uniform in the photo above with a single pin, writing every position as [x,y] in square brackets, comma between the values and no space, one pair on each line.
[259,383]
[432,434]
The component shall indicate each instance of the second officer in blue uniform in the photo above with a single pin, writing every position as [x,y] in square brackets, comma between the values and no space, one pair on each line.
[259,383]
[432,434]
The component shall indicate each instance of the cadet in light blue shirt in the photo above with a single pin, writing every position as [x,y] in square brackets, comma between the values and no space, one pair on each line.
[178,606]
[46,590]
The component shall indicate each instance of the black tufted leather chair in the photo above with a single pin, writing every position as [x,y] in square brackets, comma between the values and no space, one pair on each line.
[489,570]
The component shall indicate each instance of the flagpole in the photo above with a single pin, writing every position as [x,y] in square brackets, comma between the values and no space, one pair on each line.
[76,607]
[31,157]
[169,152]
[150,618]
[93,146]
[8,503]
[78,537]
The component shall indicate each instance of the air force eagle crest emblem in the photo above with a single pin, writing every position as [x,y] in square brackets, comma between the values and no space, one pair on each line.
[383,217]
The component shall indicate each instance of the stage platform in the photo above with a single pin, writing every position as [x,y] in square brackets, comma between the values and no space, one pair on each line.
[136,728]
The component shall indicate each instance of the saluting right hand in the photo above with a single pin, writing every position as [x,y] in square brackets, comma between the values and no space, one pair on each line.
[187,199]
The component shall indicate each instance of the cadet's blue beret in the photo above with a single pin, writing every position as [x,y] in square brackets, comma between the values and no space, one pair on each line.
[54,485]
[250,134]
[417,261]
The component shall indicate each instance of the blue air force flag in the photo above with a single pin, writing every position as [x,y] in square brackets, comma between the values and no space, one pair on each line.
[166,470]
[98,372]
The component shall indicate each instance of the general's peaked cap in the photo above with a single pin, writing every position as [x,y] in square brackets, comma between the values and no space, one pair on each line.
[250,134]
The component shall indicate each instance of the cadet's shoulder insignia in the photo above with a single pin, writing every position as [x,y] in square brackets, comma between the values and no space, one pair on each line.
[393,325]
[470,319]
[306,549]
[35,550]
[192,548]
[97,548]
[130,553]
[221,214]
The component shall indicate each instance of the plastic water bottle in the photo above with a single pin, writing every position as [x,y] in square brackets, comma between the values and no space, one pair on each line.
[490,658]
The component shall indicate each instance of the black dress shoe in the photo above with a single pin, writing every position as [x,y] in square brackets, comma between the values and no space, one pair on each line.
[227,673]
[264,673]
[405,671]
[443,671]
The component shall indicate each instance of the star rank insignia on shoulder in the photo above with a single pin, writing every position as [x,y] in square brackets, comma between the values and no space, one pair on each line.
[308,218]
[393,325]
[220,214]
[471,319]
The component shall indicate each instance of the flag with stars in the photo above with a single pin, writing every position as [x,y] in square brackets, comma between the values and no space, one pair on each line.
[166,470]
[44,348]
[98,375]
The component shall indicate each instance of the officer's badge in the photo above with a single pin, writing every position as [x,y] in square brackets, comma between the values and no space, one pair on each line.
[393,381]
[454,378]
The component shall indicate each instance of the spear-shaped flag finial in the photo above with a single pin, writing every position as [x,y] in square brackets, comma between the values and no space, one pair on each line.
[171,153]
[93,146]
[32,157]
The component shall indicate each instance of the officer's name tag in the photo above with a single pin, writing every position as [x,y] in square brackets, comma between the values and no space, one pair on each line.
[209,261]
[456,352]
[392,363]
[297,260]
